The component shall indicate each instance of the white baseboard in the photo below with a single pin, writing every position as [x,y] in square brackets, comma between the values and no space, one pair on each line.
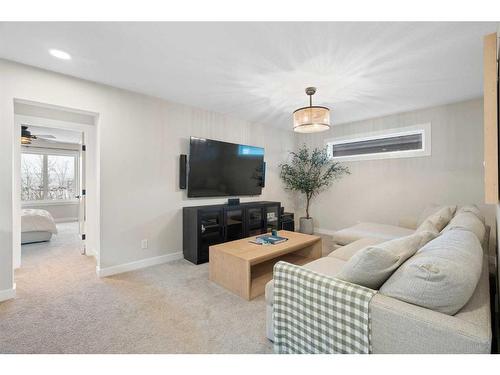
[143,263]
[8,293]
[324,231]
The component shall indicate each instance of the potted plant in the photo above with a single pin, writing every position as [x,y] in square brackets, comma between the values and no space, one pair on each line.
[310,172]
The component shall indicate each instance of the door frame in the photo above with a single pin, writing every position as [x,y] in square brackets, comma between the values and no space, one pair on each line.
[90,133]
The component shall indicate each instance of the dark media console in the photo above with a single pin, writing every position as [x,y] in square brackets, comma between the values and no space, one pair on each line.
[204,226]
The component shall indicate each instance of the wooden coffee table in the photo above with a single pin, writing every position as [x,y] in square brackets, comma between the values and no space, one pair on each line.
[245,268]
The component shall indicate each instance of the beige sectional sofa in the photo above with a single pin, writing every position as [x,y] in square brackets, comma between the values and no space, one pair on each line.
[401,327]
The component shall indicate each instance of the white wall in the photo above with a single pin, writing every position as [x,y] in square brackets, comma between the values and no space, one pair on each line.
[384,190]
[140,141]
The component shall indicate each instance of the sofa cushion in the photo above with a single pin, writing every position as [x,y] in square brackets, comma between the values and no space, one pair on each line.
[468,221]
[438,220]
[347,251]
[374,230]
[328,266]
[373,265]
[442,275]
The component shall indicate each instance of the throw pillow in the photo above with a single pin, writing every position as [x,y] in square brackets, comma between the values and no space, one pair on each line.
[427,226]
[438,220]
[442,275]
[373,265]
[473,209]
[428,211]
[468,221]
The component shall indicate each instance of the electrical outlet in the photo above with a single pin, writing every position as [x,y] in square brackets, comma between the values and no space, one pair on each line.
[144,244]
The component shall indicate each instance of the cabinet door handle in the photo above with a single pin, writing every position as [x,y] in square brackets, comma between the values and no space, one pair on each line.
[202,228]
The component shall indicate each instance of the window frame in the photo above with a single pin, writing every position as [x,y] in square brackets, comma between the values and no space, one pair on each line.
[423,129]
[57,152]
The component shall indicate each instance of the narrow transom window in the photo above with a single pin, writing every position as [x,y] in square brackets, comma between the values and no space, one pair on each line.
[392,143]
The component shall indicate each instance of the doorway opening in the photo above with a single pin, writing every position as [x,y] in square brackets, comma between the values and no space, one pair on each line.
[55,192]
[51,186]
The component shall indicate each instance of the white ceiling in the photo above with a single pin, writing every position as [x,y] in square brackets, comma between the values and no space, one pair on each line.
[258,71]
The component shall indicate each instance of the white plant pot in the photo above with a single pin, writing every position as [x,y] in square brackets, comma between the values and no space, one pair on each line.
[306,225]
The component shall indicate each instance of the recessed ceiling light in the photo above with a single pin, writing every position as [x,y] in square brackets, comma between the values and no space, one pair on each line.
[60,54]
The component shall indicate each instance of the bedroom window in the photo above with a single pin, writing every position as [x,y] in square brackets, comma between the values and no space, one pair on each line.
[49,177]
[392,143]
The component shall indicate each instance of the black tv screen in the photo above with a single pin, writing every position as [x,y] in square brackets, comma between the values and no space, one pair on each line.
[224,169]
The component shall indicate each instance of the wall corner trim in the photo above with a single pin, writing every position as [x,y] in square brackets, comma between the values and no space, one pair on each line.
[8,293]
[143,263]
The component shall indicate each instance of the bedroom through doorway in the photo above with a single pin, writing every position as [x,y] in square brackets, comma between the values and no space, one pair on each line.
[51,204]
[51,200]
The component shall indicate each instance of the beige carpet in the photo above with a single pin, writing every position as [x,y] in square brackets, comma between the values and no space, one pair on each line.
[62,307]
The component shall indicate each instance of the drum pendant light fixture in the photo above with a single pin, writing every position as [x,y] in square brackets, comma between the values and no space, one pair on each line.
[311,119]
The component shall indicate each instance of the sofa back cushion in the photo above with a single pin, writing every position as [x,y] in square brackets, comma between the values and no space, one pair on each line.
[467,220]
[438,220]
[373,265]
[442,275]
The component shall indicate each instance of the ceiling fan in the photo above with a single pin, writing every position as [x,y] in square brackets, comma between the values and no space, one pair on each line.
[27,137]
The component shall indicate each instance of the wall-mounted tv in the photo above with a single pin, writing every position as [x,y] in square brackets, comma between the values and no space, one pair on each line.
[219,169]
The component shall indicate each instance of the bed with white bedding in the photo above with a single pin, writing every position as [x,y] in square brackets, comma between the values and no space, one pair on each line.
[36,226]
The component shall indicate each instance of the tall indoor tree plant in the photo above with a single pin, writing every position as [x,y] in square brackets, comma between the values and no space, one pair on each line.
[310,173]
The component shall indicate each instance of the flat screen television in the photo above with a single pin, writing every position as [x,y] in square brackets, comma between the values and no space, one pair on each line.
[219,169]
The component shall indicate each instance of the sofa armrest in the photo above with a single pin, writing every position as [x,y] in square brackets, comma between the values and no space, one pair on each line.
[408,222]
[400,327]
